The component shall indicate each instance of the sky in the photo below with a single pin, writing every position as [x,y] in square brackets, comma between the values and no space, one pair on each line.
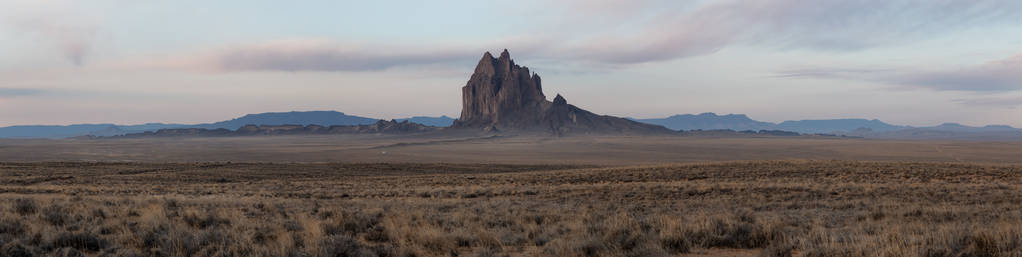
[906,62]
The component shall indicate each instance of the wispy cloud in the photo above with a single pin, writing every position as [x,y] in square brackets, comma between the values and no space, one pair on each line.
[1001,75]
[995,76]
[52,23]
[1004,102]
[828,72]
[316,55]
[324,56]
[830,25]
[652,31]
[14,92]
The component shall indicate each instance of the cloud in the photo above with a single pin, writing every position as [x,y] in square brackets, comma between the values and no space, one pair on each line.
[637,32]
[51,23]
[830,73]
[316,55]
[73,41]
[14,92]
[1004,102]
[324,56]
[996,76]
[1001,75]
[829,25]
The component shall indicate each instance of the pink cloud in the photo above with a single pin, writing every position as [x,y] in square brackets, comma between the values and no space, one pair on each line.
[655,31]
[74,41]
[317,55]
[1000,75]
[994,76]
[833,25]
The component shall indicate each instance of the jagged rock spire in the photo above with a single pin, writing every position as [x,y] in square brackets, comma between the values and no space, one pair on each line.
[502,96]
[499,86]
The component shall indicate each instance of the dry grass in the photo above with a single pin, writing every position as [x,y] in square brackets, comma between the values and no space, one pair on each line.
[777,208]
[600,150]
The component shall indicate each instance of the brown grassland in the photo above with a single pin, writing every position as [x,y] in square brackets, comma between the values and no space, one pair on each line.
[729,208]
[597,150]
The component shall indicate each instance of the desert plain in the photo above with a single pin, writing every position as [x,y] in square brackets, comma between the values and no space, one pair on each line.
[510,195]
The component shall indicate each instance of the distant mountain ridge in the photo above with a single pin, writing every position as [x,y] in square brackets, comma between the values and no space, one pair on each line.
[868,128]
[709,121]
[379,127]
[58,131]
[835,125]
[852,127]
[741,122]
[304,118]
[322,118]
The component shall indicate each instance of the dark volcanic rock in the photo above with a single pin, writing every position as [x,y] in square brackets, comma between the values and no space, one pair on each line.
[501,93]
[502,96]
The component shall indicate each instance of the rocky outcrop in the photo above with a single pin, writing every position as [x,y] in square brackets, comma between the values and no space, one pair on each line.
[380,127]
[503,96]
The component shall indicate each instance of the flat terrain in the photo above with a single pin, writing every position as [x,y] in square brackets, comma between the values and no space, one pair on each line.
[603,150]
[738,208]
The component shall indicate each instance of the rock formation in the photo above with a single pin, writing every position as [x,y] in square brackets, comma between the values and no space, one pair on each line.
[503,96]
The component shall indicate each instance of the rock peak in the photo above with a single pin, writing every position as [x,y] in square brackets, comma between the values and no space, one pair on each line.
[497,87]
[502,96]
[559,100]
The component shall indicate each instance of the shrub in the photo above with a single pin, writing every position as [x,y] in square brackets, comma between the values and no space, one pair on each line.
[79,241]
[355,223]
[330,229]
[67,252]
[488,252]
[293,226]
[731,233]
[12,227]
[17,250]
[25,206]
[127,253]
[343,246]
[55,215]
[982,245]
[377,234]
[262,235]
[776,250]
[675,244]
[204,221]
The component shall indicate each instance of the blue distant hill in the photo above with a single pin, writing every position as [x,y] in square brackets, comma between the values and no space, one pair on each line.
[703,121]
[856,127]
[57,131]
[709,121]
[740,122]
[324,118]
[52,131]
[836,125]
